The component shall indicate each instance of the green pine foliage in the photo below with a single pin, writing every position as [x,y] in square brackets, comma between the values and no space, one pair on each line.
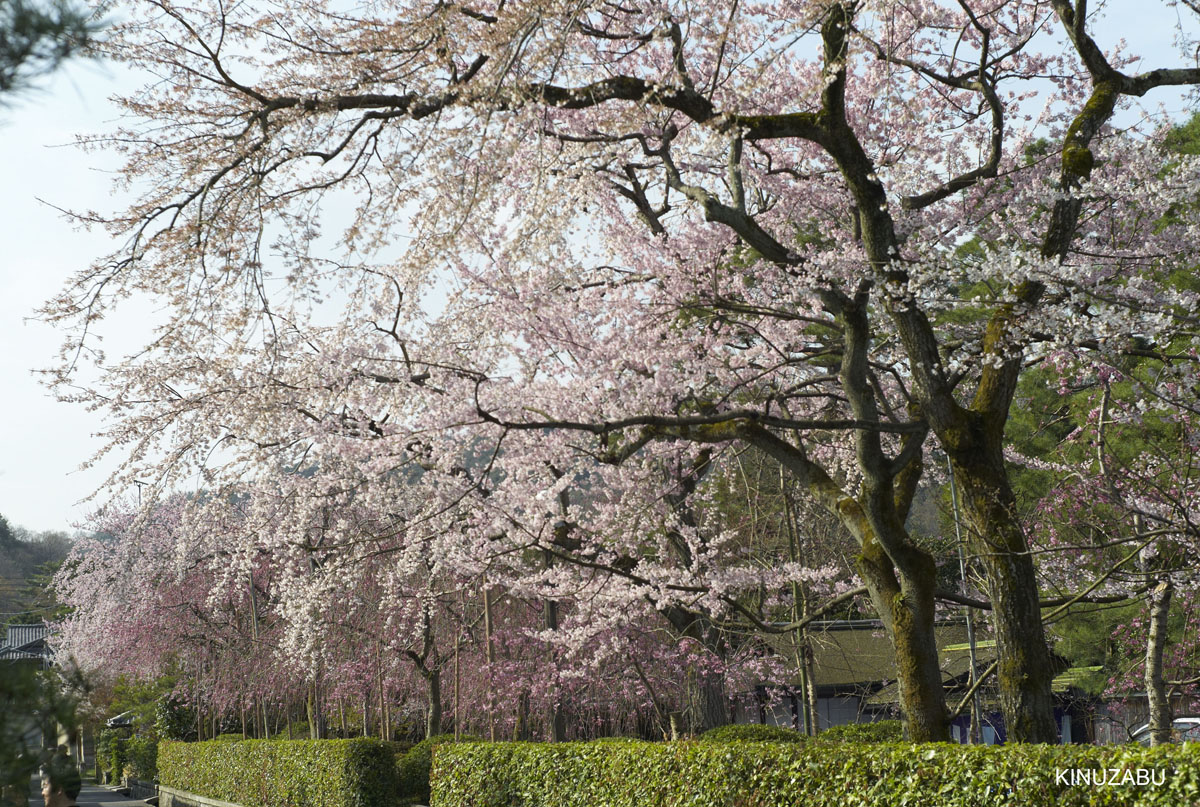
[701,774]
[36,37]
[174,719]
[283,773]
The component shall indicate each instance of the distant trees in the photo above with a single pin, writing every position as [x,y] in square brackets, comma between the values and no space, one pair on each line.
[376,622]
[28,561]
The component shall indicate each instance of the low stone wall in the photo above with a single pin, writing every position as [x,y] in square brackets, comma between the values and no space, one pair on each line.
[170,797]
[140,788]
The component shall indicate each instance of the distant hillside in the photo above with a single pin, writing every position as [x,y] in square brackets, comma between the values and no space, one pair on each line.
[27,561]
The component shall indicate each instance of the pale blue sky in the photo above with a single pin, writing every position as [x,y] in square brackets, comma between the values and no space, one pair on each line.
[43,442]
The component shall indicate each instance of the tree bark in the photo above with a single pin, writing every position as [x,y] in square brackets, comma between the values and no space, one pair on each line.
[808,715]
[905,604]
[712,705]
[383,718]
[521,724]
[1156,644]
[310,710]
[556,719]
[1025,669]
[973,437]
[899,575]
[433,722]
[491,660]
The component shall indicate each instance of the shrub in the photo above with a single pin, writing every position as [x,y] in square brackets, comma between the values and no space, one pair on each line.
[412,768]
[174,719]
[142,757]
[299,729]
[707,774]
[104,742]
[752,732]
[117,758]
[275,773]
[398,747]
[883,731]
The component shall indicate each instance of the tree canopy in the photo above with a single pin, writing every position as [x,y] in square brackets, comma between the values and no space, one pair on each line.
[605,245]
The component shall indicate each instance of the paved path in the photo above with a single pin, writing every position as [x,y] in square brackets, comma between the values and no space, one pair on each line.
[90,796]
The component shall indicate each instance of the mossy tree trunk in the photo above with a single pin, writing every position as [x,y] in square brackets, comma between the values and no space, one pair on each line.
[905,603]
[1025,667]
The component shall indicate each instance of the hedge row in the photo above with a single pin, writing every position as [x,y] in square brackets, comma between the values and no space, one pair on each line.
[882,731]
[752,732]
[287,773]
[750,774]
[413,766]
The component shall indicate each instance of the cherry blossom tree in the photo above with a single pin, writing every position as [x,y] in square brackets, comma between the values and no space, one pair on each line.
[1129,525]
[600,245]
[338,628]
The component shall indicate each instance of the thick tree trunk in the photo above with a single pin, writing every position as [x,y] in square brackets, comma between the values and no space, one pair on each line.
[899,575]
[905,605]
[433,717]
[1156,643]
[712,705]
[1025,668]
[521,725]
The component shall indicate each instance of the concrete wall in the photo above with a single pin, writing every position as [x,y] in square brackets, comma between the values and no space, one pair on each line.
[170,797]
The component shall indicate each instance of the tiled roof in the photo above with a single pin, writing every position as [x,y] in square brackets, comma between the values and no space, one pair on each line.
[21,635]
[25,642]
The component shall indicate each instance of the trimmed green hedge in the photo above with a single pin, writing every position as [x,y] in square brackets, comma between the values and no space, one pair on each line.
[752,732]
[275,773]
[882,731]
[698,774]
[412,767]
